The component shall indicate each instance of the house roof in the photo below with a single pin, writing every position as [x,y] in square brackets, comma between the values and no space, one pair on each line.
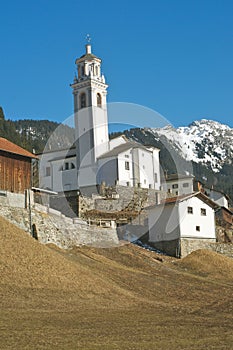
[122,148]
[217,191]
[10,147]
[179,199]
[174,177]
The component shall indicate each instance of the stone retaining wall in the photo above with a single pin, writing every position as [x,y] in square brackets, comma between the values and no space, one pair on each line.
[190,245]
[57,229]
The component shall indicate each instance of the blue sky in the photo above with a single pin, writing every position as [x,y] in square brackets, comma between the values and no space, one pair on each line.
[173,56]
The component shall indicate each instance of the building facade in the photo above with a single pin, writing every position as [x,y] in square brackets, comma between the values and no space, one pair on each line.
[15,167]
[190,217]
[95,159]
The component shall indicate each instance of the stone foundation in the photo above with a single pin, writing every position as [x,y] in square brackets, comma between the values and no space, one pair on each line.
[190,245]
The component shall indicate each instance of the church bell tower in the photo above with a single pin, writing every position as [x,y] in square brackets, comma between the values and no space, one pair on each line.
[91,120]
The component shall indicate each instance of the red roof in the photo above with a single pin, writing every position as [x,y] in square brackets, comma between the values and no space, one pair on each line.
[10,147]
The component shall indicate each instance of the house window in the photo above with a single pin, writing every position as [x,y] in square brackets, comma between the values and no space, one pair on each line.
[126,156]
[144,182]
[72,166]
[99,100]
[156,177]
[66,166]
[198,229]
[48,171]
[83,100]
[186,184]
[190,210]
[175,186]
[126,165]
[203,212]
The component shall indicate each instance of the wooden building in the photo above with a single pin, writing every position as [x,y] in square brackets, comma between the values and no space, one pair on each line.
[15,167]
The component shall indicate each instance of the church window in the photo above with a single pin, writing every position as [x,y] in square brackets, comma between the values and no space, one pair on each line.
[144,182]
[82,70]
[126,165]
[126,156]
[83,100]
[156,177]
[99,100]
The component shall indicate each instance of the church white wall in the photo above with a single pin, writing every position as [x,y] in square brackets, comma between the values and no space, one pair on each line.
[87,176]
[125,175]
[108,171]
[84,137]
[116,142]
[64,177]
[156,170]
[189,222]
[47,175]
[146,169]
[101,140]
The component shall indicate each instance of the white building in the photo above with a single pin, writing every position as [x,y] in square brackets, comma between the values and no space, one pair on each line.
[178,185]
[58,170]
[218,197]
[190,217]
[97,159]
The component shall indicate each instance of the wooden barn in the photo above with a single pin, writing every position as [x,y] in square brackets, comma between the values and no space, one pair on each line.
[15,167]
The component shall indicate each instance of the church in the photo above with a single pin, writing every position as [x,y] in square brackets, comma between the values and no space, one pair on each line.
[94,159]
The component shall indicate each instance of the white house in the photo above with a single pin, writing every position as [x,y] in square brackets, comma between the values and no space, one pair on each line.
[218,197]
[178,185]
[96,159]
[190,217]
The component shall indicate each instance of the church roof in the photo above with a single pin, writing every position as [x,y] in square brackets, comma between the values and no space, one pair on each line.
[122,148]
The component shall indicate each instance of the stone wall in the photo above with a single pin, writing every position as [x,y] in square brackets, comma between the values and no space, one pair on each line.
[53,227]
[190,245]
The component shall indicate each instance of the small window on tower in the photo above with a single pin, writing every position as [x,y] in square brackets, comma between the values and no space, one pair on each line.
[83,100]
[99,100]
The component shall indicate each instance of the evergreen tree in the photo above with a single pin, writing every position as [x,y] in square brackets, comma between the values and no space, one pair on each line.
[2,116]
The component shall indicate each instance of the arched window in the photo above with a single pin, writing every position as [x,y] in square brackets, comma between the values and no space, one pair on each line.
[83,100]
[99,100]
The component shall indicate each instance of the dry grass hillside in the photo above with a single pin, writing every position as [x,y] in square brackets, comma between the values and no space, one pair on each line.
[116,298]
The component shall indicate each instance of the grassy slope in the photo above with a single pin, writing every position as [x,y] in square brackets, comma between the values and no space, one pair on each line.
[119,298]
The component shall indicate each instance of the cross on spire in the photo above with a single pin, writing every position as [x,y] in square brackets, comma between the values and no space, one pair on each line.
[88,38]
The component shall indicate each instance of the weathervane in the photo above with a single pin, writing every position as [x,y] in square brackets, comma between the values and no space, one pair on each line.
[88,38]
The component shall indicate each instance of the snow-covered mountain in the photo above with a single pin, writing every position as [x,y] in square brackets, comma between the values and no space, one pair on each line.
[207,142]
